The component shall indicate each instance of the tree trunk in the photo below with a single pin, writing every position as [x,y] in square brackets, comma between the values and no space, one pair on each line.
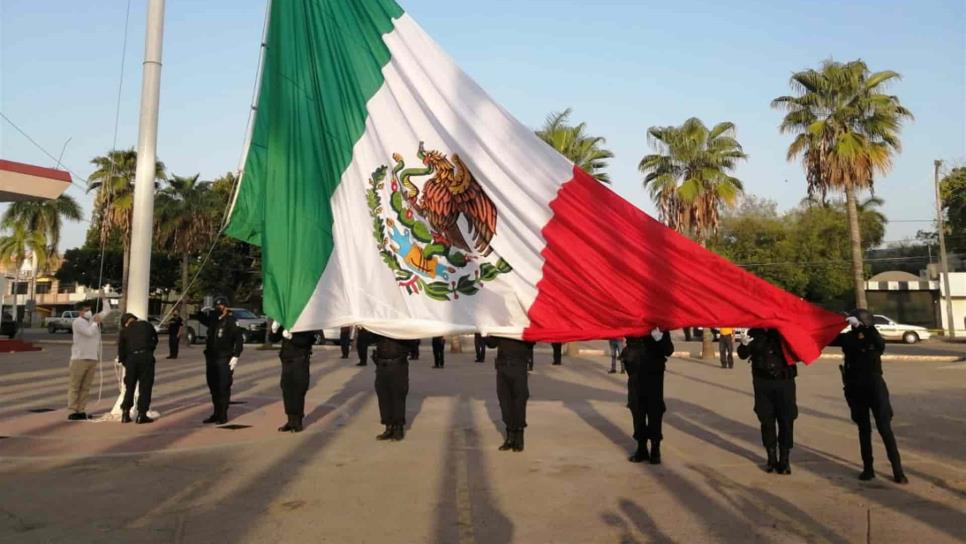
[455,344]
[125,264]
[707,344]
[855,241]
[32,296]
[184,295]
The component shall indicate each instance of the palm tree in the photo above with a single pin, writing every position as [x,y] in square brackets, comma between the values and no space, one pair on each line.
[44,216]
[847,131]
[572,142]
[113,206]
[185,221]
[21,244]
[689,179]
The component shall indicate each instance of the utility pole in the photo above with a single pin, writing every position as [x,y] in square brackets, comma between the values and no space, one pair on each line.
[944,262]
[142,222]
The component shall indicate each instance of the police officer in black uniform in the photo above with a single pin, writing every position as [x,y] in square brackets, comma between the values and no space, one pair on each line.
[135,350]
[512,358]
[775,403]
[866,391]
[439,345]
[557,353]
[295,355]
[392,381]
[362,346]
[479,345]
[645,358]
[414,349]
[223,346]
[175,326]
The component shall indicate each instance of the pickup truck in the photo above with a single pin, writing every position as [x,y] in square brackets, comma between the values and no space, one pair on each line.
[253,327]
[63,323]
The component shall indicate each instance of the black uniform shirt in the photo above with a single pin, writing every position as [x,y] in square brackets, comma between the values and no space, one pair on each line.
[646,354]
[509,350]
[175,325]
[387,349]
[863,349]
[224,337]
[300,344]
[137,337]
[767,357]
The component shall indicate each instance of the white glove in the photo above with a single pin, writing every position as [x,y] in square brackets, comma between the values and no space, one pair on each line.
[233,363]
[287,334]
[117,360]
[854,321]
[275,326]
[657,334]
[745,339]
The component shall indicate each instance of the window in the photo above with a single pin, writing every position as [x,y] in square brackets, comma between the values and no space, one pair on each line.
[66,288]
[43,288]
[240,313]
[881,320]
[21,288]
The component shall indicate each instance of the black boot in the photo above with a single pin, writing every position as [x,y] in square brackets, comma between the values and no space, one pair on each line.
[296,424]
[784,465]
[641,454]
[892,450]
[287,427]
[518,441]
[865,449]
[772,464]
[126,416]
[142,419]
[387,434]
[655,458]
[213,418]
[399,433]
[508,442]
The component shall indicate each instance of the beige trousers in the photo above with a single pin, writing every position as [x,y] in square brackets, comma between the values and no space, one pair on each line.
[81,378]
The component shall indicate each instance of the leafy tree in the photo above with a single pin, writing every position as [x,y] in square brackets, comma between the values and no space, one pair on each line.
[952,190]
[83,267]
[573,142]
[846,132]
[114,204]
[43,216]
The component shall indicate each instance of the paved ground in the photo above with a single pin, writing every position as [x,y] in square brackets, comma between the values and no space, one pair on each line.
[179,481]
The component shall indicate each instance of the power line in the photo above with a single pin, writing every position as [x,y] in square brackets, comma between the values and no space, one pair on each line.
[45,152]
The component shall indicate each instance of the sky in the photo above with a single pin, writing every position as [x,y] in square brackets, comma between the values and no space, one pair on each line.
[623,66]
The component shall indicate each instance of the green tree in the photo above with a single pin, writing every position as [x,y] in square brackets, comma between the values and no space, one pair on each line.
[573,142]
[186,220]
[21,244]
[689,178]
[114,204]
[846,132]
[43,216]
[952,190]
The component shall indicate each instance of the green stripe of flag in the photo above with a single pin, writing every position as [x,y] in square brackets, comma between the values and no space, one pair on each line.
[323,63]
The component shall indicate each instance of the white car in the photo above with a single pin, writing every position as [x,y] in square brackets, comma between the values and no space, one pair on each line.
[890,330]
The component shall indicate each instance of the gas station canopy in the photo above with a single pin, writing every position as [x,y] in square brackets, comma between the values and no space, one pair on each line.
[19,181]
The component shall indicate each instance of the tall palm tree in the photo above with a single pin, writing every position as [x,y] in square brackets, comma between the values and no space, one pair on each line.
[573,142]
[185,222]
[114,204]
[44,216]
[689,178]
[846,132]
[21,244]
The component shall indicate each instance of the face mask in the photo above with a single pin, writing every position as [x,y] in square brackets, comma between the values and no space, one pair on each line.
[87,314]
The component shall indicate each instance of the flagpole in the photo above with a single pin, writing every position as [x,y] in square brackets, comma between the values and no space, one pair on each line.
[142,221]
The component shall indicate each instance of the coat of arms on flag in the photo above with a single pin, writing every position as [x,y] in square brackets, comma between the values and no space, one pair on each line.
[419,234]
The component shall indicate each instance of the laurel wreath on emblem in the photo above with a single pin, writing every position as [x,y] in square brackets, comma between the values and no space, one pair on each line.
[422,243]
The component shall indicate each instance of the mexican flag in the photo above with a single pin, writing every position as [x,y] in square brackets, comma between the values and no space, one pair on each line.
[388,190]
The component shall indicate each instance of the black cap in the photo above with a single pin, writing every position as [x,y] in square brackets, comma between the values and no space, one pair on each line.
[126,317]
[863,315]
[221,300]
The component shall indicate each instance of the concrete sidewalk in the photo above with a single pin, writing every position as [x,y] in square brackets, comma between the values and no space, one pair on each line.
[180,481]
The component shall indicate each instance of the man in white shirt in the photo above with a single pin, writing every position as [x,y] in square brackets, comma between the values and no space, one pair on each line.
[85,353]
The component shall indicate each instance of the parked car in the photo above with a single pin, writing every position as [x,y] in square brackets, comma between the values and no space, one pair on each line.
[897,332]
[253,327]
[159,327]
[63,323]
[698,333]
[8,327]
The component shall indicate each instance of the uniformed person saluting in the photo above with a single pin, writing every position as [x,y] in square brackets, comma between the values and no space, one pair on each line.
[645,358]
[295,355]
[774,384]
[392,381]
[512,358]
[223,346]
[866,391]
[135,350]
